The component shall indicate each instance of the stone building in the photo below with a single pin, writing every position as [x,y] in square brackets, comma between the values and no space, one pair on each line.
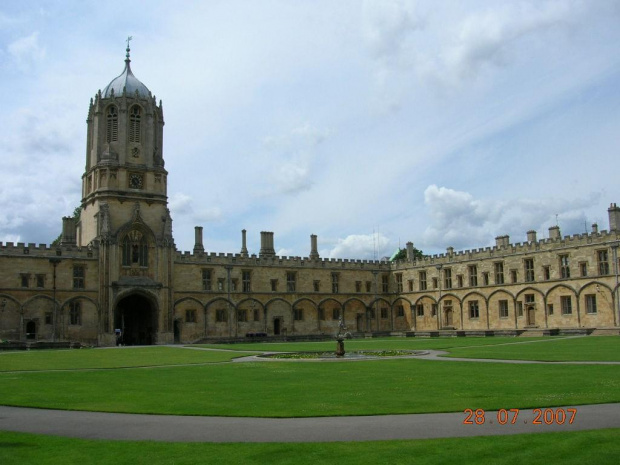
[117,267]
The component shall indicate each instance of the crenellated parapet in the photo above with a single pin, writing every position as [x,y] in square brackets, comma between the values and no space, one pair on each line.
[45,251]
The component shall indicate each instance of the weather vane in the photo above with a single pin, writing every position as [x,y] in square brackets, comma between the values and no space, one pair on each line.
[127,50]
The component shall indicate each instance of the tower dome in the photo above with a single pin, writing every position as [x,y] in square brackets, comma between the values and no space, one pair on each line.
[126,81]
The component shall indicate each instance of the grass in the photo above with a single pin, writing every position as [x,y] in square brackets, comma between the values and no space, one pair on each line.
[108,358]
[573,349]
[289,389]
[600,447]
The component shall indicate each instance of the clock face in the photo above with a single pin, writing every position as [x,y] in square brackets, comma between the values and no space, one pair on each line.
[135,181]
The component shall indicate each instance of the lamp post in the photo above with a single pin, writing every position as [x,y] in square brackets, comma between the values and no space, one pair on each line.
[439,267]
[54,262]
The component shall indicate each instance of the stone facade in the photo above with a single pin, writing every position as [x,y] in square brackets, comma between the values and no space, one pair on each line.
[117,267]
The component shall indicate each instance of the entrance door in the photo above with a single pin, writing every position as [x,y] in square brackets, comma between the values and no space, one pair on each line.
[276,326]
[137,319]
[448,317]
[31,330]
[531,316]
[360,323]
[177,331]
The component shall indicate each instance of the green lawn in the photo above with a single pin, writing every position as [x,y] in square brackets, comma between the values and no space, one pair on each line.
[108,358]
[573,349]
[600,447]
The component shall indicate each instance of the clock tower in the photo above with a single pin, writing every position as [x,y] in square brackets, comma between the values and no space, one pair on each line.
[125,210]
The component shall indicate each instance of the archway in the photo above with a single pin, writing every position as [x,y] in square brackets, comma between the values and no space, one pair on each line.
[136,317]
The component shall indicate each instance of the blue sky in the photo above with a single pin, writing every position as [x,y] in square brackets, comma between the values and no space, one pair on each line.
[368,123]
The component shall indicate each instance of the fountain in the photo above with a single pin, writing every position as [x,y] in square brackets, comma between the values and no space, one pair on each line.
[340,337]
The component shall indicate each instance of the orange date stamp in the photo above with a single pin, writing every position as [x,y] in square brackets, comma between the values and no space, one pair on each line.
[542,416]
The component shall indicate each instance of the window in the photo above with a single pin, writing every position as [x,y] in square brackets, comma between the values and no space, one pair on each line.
[564,267]
[433,309]
[567,306]
[291,281]
[358,286]
[190,316]
[459,280]
[335,283]
[422,280]
[447,278]
[135,249]
[78,276]
[603,263]
[49,319]
[519,308]
[399,282]
[242,315]
[274,285]
[529,298]
[528,266]
[75,314]
[419,309]
[372,313]
[316,285]
[234,284]
[220,284]
[513,276]
[410,285]
[384,313]
[485,278]
[583,269]
[246,281]
[335,313]
[385,285]
[206,280]
[298,314]
[368,286]
[435,283]
[221,315]
[24,279]
[112,124]
[256,314]
[474,310]
[549,309]
[590,303]
[134,124]
[40,280]
[503,309]
[547,272]
[400,310]
[473,275]
[321,314]
[499,273]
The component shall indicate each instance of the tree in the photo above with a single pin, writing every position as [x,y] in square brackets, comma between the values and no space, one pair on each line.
[402,254]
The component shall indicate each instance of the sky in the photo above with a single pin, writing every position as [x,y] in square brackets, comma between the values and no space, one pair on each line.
[368,123]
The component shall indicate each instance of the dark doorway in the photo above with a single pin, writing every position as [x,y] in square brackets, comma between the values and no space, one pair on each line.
[137,319]
[177,331]
[531,316]
[276,326]
[360,323]
[448,317]
[31,330]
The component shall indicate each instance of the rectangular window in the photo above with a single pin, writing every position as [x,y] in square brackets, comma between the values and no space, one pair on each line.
[399,282]
[591,303]
[368,286]
[519,308]
[40,280]
[549,309]
[385,285]
[485,278]
[474,310]
[473,275]
[316,285]
[221,315]
[335,278]
[459,280]
[190,316]
[567,305]
[220,284]
[335,313]
[291,281]
[503,309]
[547,272]
[410,285]
[384,313]
[422,280]
[603,263]
[419,309]
[372,313]
[49,318]
[274,285]
[447,278]
[435,283]
[529,298]
[75,314]
[564,267]
[299,314]
[499,273]
[242,315]
[246,281]
[358,286]
[234,284]
[78,276]
[400,310]
[513,276]
[433,309]
[256,314]
[583,269]
[528,268]
[321,314]
[24,279]
[206,280]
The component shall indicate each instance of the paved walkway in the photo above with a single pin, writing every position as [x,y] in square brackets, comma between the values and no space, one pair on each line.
[95,425]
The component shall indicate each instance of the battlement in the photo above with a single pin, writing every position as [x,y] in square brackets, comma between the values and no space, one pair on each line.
[45,250]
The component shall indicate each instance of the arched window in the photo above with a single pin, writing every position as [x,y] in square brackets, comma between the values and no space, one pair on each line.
[112,124]
[134,124]
[135,249]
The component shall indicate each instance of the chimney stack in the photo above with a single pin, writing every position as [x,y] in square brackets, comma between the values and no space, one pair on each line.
[614,217]
[314,253]
[554,233]
[410,256]
[594,228]
[266,244]
[531,236]
[244,247]
[68,231]
[198,247]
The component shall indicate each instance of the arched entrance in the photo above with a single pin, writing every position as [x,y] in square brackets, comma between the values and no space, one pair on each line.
[136,317]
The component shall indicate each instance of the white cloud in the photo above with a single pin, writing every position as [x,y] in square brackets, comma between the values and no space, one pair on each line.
[27,49]
[360,246]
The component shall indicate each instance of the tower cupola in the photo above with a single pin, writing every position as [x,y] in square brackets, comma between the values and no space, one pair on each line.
[126,83]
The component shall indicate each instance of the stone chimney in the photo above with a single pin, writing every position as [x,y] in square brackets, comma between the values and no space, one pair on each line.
[266,244]
[502,241]
[410,256]
[244,246]
[450,251]
[531,236]
[314,252]
[594,228]
[198,247]
[614,217]
[554,233]
[68,231]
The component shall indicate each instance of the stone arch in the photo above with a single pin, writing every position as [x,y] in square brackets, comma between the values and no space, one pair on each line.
[79,318]
[11,313]
[250,317]
[424,319]
[401,322]
[502,309]
[562,306]
[475,315]
[279,317]
[379,314]
[355,315]
[598,302]
[221,321]
[136,314]
[304,319]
